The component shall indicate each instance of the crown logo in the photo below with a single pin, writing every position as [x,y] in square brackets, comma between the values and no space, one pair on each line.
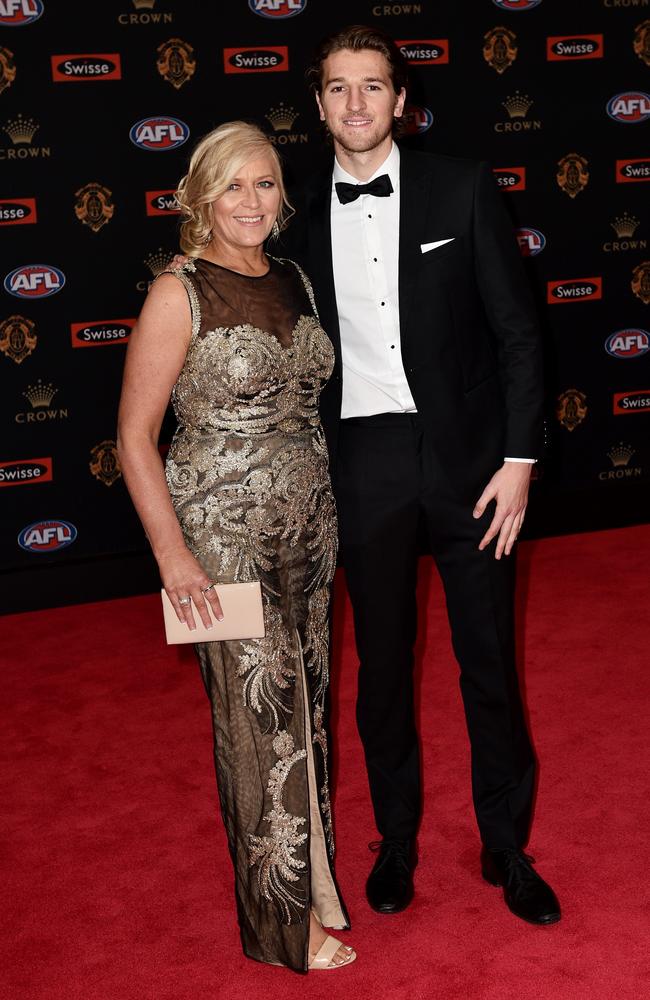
[625,225]
[21,130]
[40,394]
[620,455]
[158,260]
[282,118]
[143,4]
[517,106]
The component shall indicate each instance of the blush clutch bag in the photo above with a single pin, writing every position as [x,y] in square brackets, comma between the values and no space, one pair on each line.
[243,617]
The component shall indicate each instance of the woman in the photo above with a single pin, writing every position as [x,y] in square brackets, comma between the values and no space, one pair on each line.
[232,336]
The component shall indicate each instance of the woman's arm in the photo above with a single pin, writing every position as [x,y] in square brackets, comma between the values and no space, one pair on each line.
[155,356]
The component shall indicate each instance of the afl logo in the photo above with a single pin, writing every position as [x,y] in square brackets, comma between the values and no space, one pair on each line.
[531,241]
[516,4]
[416,119]
[34,281]
[277,8]
[18,13]
[159,134]
[47,536]
[631,107]
[630,343]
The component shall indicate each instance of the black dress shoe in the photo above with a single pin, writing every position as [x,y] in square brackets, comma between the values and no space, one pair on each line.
[525,892]
[390,884]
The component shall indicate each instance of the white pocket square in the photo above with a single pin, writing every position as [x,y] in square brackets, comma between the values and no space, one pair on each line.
[425,247]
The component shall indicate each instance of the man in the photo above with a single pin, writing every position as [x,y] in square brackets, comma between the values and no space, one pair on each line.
[433,415]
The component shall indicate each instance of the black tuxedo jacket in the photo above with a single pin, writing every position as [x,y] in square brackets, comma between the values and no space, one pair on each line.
[469,337]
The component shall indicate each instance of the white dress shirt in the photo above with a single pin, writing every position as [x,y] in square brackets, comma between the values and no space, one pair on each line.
[365,258]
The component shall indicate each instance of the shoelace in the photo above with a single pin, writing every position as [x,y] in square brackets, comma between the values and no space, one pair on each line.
[519,868]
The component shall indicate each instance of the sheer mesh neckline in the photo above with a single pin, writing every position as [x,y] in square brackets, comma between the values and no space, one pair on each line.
[240,274]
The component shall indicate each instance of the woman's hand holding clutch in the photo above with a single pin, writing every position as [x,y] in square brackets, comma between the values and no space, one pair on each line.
[188,587]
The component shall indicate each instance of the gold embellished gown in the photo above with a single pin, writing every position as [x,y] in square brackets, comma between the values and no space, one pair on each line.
[248,476]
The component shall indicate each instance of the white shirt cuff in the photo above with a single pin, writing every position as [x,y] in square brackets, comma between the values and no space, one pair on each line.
[527,461]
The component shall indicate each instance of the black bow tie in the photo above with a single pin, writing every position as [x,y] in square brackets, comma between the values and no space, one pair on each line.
[381,187]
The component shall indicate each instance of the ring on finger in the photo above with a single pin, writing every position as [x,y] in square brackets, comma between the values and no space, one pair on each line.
[204,590]
[185,600]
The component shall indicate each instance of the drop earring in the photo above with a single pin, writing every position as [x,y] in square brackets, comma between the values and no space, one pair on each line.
[275,230]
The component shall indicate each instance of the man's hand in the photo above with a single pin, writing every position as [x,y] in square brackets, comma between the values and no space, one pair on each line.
[509,487]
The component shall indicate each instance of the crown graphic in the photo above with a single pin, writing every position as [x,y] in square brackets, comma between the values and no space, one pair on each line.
[21,129]
[143,4]
[517,106]
[40,394]
[620,454]
[625,225]
[158,260]
[282,118]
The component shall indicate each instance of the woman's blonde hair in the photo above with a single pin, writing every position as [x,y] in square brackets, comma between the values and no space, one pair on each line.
[214,163]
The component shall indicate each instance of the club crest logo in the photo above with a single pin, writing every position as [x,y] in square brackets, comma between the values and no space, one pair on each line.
[516,4]
[416,119]
[277,8]
[531,241]
[47,536]
[630,107]
[104,463]
[20,13]
[159,134]
[17,338]
[642,41]
[94,207]
[641,281]
[572,174]
[630,343]
[7,69]
[34,281]
[500,48]
[176,63]
[571,408]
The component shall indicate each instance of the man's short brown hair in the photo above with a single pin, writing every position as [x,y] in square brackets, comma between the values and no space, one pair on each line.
[357,37]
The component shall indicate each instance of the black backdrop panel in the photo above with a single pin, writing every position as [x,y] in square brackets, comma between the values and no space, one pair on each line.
[99,110]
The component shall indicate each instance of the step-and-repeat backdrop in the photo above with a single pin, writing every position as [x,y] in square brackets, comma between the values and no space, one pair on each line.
[100,105]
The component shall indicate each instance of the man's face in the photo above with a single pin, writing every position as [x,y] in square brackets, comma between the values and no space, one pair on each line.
[357,101]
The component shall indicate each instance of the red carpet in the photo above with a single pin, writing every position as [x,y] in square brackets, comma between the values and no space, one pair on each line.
[117,884]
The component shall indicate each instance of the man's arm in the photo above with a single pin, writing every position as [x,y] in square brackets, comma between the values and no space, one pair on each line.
[510,311]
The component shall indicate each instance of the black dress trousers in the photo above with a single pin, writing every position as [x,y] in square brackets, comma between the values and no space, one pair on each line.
[387,482]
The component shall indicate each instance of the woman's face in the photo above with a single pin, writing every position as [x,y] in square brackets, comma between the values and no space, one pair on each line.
[244,215]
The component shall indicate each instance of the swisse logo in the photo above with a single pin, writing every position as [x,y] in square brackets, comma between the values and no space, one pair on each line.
[47,536]
[250,59]
[636,401]
[425,51]
[416,119]
[630,343]
[101,332]
[19,13]
[531,241]
[629,171]
[161,202]
[510,178]
[277,8]
[17,211]
[516,4]
[562,47]
[576,290]
[631,107]
[87,66]
[24,471]
[159,134]
[34,281]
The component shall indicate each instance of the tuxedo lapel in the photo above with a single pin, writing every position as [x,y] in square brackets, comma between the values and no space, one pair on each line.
[320,257]
[415,189]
